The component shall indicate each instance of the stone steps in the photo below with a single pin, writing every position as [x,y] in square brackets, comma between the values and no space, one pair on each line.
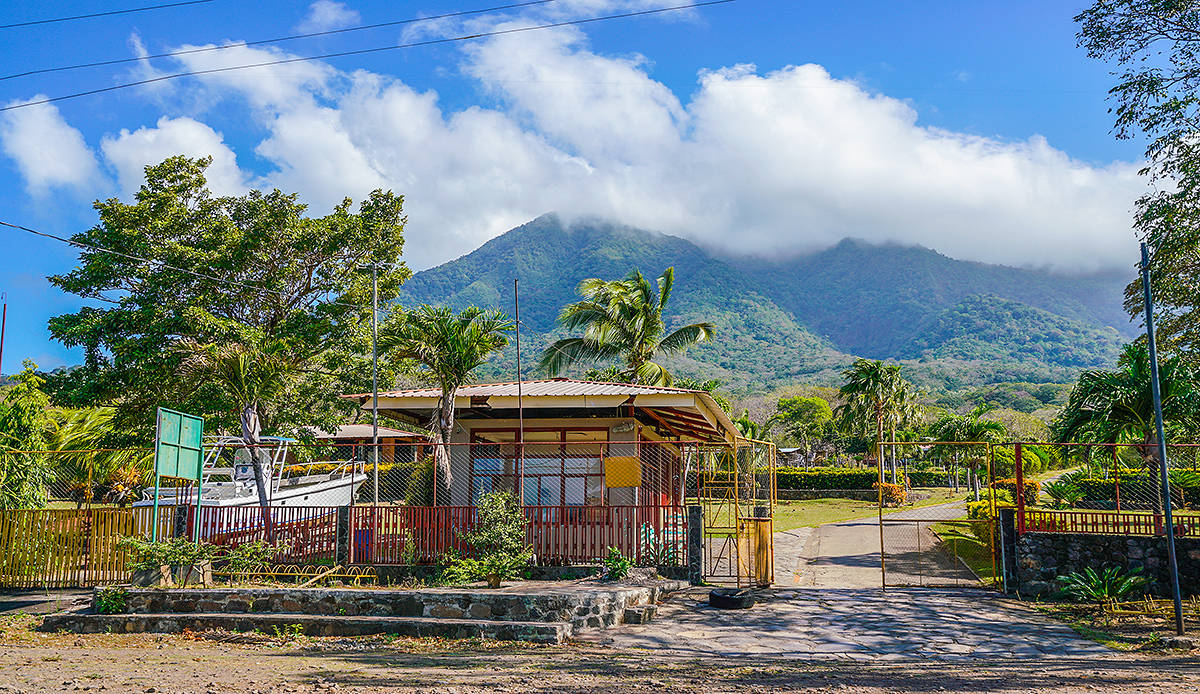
[313,625]
[533,612]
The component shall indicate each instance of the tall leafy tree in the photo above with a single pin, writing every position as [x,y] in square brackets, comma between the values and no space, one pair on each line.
[808,421]
[281,274]
[446,348]
[1155,48]
[25,473]
[624,320]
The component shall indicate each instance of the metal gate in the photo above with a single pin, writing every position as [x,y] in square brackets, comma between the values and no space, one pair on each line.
[939,544]
[735,488]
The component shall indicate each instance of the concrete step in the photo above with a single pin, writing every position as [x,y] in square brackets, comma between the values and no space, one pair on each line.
[313,625]
[643,614]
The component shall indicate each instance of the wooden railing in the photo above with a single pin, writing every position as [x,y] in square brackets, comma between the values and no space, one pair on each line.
[1108,523]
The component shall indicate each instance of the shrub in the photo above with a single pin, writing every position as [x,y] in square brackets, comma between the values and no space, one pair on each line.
[1010,485]
[110,600]
[249,556]
[1112,583]
[616,565]
[498,542]
[893,494]
[148,556]
[825,478]
[1064,492]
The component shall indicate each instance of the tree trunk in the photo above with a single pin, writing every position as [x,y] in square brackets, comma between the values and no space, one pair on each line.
[250,434]
[443,429]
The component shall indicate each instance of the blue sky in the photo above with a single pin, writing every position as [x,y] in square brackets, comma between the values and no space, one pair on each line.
[759,126]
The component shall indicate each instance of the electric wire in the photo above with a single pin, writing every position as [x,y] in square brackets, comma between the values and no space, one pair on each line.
[109,13]
[293,37]
[363,51]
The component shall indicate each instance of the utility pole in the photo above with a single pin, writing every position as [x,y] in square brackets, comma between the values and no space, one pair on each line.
[520,403]
[3,322]
[1162,441]
[375,376]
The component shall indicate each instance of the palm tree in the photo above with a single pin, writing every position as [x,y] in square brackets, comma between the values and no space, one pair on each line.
[969,428]
[255,374]
[751,429]
[623,319]
[88,466]
[448,347]
[871,393]
[901,410]
[1118,406]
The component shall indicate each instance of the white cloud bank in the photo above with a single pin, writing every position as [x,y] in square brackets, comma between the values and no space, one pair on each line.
[775,163]
[48,152]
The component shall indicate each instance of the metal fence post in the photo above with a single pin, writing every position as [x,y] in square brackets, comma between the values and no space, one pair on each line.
[342,553]
[695,544]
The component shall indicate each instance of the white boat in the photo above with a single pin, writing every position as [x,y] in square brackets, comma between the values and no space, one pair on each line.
[228,478]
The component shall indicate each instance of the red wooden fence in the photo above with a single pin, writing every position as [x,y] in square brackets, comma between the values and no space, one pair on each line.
[1108,523]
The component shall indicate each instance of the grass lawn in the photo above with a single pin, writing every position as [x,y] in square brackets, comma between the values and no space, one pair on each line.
[962,542]
[800,514]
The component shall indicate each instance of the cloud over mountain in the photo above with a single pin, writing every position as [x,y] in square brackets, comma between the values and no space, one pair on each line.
[754,162]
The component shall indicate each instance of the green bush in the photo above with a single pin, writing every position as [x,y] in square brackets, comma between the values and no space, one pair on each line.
[1112,583]
[825,478]
[616,565]
[249,556]
[148,556]
[1010,485]
[497,541]
[110,600]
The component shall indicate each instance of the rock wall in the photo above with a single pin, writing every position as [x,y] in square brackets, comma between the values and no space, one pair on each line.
[1043,557]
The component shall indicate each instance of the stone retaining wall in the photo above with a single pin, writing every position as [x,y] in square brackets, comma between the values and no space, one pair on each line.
[596,607]
[1043,557]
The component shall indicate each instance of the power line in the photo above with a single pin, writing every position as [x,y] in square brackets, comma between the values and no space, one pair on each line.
[293,37]
[159,263]
[101,14]
[362,51]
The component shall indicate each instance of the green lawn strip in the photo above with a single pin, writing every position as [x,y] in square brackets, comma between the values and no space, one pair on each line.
[790,515]
[959,539]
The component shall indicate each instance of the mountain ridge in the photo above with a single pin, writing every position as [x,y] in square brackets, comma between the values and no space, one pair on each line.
[957,323]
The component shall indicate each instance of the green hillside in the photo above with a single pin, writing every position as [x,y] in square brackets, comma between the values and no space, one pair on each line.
[955,324]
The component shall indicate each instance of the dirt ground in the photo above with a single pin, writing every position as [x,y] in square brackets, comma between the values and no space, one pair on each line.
[31,661]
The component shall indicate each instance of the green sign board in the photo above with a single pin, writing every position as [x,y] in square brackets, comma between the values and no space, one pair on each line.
[179,451]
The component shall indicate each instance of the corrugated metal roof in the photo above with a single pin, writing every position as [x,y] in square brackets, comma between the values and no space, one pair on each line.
[362,431]
[555,386]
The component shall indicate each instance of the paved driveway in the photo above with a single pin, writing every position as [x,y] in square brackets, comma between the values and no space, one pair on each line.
[867,624]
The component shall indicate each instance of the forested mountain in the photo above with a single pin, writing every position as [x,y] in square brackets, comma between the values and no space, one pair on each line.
[956,323]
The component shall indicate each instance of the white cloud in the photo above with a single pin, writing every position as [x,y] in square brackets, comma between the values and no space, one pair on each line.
[130,152]
[47,151]
[762,163]
[324,15]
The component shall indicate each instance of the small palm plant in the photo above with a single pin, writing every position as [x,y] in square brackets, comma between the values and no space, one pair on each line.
[1112,583]
[1063,491]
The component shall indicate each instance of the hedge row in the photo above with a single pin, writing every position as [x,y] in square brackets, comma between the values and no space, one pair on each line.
[846,478]
[824,478]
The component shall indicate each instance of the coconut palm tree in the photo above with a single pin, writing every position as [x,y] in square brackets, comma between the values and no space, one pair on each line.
[448,347]
[623,319]
[872,393]
[964,429]
[88,467]
[254,374]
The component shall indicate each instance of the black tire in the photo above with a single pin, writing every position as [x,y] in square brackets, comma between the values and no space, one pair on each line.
[731,598]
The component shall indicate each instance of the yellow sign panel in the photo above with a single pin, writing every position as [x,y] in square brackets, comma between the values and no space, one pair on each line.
[622,471]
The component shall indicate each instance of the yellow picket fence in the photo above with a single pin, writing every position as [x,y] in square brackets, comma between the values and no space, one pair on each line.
[63,548]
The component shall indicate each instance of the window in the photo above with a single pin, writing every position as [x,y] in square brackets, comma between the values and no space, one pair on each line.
[562,467]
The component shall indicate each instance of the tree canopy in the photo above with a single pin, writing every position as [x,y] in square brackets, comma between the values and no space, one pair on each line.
[623,320]
[224,270]
[1155,47]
